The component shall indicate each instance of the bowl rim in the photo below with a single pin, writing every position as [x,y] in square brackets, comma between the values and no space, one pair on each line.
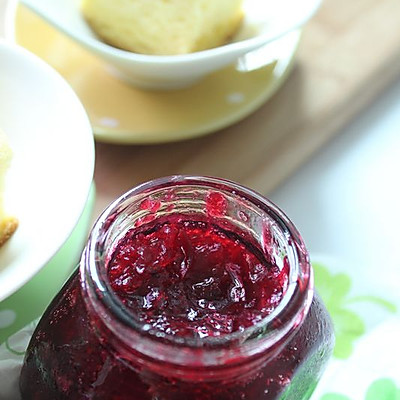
[233,49]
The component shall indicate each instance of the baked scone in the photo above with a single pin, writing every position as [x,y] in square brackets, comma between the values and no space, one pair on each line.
[8,224]
[163,27]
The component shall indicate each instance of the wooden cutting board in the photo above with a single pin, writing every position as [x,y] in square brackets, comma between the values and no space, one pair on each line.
[349,53]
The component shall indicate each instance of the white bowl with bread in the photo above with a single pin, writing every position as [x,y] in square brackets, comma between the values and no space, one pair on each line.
[172,44]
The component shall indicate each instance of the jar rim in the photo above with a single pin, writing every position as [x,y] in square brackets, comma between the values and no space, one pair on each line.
[289,313]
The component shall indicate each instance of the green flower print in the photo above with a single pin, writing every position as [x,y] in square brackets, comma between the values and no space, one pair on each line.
[334,396]
[334,290]
[381,389]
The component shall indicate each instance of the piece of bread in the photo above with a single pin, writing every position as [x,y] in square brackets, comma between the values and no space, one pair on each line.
[8,224]
[163,27]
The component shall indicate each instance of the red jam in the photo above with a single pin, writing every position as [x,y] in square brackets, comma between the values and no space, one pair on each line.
[188,286]
[192,279]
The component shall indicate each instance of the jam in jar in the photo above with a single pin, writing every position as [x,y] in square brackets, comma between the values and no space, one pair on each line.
[189,288]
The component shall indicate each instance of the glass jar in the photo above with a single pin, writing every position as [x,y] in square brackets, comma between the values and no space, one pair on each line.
[90,345]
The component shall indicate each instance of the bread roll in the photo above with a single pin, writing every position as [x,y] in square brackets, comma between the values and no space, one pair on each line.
[163,27]
[8,224]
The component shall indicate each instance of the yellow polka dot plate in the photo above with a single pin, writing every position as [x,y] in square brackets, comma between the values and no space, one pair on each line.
[123,114]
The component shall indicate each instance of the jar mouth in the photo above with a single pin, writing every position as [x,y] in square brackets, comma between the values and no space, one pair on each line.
[284,319]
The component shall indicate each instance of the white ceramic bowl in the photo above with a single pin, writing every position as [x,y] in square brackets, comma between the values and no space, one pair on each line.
[264,22]
[52,169]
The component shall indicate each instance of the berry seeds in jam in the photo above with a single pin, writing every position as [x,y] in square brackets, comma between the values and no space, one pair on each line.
[192,279]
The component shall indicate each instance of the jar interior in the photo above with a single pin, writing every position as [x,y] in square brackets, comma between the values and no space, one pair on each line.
[216,205]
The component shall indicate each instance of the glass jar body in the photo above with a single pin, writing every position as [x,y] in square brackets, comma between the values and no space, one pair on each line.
[84,349]
[86,368]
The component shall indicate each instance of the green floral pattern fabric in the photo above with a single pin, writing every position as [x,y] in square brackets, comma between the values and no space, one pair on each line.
[335,292]
[364,364]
